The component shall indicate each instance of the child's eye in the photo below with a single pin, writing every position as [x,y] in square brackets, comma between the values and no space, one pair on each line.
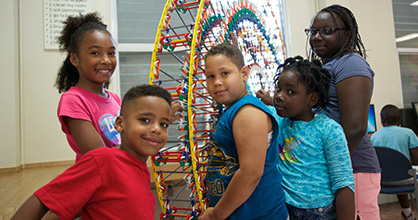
[112,53]
[209,76]
[146,120]
[290,92]
[225,73]
[164,125]
[94,53]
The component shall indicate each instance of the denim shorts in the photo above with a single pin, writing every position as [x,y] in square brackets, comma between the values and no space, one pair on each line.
[322,213]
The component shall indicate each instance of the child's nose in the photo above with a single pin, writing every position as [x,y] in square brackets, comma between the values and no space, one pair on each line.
[106,59]
[218,82]
[155,128]
[316,36]
[278,96]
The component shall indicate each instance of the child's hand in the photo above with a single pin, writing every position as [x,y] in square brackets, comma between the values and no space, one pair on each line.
[264,97]
[233,39]
[209,215]
[175,107]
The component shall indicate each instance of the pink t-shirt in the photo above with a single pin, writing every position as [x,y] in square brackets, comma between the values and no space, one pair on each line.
[107,183]
[78,103]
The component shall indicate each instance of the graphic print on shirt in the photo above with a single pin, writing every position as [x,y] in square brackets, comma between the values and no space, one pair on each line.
[286,154]
[220,165]
[107,126]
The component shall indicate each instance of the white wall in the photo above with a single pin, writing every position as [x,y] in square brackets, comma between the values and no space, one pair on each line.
[9,89]
[41,139]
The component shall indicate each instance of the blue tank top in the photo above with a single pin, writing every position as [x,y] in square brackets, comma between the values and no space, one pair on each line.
[267,200]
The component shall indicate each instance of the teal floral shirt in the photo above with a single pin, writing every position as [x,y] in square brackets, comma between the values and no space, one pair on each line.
[314,160]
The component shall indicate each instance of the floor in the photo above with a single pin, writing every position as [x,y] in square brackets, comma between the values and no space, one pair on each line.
[390,211]
[16,187]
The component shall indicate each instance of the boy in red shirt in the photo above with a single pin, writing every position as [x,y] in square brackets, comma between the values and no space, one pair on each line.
[110,183]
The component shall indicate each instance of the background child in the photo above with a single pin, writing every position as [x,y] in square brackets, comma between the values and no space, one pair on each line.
[108,183]
[334,38]
[86,110]
[314,157]
[398,138]
[243,181]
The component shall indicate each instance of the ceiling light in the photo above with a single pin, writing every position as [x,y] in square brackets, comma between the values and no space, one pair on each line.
[414,3]
[406,37]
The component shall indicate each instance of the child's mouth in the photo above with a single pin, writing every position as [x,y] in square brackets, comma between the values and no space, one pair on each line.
[221,92]
[152,142]
[104,72]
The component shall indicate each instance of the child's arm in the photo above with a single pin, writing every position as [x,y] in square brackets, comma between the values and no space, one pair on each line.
[33,208]
[340,169]
[84,133]
[413,153]
[250,126]
[344,202]
[354,95]
[264,97]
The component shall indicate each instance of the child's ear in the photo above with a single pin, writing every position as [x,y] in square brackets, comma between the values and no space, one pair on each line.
[74,59]
[245,71]
[119,124]
[313,99]
[382,120]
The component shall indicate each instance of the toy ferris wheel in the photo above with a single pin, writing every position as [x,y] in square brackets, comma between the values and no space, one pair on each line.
[187,30]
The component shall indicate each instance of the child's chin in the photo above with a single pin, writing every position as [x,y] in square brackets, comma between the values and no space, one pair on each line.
[281,114]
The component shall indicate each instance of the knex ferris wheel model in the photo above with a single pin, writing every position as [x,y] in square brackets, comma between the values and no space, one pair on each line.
[187,30]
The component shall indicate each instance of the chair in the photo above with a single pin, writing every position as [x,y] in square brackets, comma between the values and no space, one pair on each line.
[398,176]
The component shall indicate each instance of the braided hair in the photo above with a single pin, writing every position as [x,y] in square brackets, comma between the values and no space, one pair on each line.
[311,74]
[354,44]
[73,33]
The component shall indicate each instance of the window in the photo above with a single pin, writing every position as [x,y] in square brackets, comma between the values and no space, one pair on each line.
[137,22]
[406,30]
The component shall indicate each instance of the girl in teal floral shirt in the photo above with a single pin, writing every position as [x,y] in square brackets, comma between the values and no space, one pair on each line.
[314,157]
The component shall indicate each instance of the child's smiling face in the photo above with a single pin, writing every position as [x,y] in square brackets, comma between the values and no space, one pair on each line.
[96,57]
[144,128]
[291,99]
[226,83]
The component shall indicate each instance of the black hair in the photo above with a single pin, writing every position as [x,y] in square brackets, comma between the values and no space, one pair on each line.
[354,44]
[73,33]
[144,90]
[311,74]
[391,114]
[229,50]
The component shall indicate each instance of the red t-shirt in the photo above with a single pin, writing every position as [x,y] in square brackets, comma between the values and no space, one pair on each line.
[106,183]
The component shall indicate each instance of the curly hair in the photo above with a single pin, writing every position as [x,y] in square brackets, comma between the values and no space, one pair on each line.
[143,90]
[73,33]
[311,74]
[354,44]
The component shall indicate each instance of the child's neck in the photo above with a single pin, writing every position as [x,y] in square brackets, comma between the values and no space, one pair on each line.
[389,124]
[129,150]
[96,89]
[306,118]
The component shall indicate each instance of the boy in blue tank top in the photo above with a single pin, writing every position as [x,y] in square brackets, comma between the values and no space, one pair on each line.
[242,179]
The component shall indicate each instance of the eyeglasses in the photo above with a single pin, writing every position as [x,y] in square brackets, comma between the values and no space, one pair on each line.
[322,31]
